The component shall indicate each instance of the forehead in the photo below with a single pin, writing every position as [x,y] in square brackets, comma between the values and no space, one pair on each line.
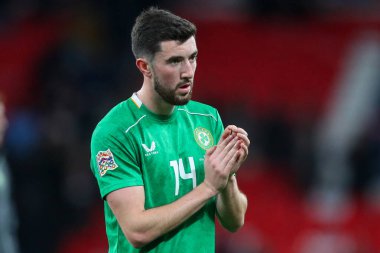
[176,48]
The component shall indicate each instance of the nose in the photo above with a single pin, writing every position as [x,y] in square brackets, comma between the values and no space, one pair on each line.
[188,69]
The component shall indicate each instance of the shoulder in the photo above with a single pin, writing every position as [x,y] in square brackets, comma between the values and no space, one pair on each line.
[117,120]
[200,109]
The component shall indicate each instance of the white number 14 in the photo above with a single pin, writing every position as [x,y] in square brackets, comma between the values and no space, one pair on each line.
[179,172]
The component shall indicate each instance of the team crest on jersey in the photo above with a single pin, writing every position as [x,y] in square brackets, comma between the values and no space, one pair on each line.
[105,161]
[203,137]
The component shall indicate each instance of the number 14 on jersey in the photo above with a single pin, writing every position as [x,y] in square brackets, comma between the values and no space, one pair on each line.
[179,172]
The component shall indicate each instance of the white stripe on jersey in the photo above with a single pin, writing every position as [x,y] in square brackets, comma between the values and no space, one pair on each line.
[126,131]
[196,113]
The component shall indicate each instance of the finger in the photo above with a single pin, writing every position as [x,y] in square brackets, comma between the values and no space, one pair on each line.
[229,130]
[244,148]
[224,143]
[243,154]
[229,151]
[231,163]
[232,128]
[244,138]
[225,134]
[242,131]
[228,147]
[240,159]
[236,129]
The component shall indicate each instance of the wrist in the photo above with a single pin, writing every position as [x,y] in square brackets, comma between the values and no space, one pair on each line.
[210,189]
[230,183]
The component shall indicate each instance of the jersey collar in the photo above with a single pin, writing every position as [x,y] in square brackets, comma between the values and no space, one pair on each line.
[136,100]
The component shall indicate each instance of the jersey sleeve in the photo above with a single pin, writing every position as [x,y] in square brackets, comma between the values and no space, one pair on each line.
[114,163]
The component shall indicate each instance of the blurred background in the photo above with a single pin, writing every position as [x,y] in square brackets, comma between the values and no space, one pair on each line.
[302,77]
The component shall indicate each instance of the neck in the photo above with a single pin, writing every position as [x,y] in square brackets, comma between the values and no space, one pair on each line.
[154,102]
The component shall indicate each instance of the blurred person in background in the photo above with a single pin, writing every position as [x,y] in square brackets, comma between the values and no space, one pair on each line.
[8,242]
[160,174]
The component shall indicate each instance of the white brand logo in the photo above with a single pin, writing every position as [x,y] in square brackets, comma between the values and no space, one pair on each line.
[152,147]
[151,150]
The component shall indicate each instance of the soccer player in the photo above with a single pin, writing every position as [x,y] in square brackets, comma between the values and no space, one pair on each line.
[165,165]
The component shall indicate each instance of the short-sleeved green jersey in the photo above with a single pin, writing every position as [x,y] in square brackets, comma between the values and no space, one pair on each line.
[131,146]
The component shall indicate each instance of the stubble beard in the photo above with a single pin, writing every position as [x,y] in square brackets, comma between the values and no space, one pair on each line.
[169,95]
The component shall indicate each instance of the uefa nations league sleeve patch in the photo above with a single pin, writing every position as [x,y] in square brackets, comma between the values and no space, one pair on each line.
[105,161]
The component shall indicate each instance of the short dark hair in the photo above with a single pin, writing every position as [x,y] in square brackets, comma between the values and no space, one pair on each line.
[154,26]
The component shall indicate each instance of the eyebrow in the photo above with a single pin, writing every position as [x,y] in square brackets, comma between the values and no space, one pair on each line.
[178,58]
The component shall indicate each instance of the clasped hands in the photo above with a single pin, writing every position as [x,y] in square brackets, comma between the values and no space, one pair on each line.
[225,159]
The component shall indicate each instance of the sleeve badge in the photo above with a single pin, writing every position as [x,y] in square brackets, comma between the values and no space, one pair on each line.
[105,161]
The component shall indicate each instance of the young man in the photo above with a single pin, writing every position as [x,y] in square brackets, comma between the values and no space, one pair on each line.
[164,164]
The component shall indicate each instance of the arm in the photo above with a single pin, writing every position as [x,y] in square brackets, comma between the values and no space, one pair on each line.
[142,226]
[231,203]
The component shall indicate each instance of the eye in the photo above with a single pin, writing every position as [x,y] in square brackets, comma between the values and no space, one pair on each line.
[175,60]
[193,58]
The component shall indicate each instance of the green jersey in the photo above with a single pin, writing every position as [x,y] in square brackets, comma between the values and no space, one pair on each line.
[131,146]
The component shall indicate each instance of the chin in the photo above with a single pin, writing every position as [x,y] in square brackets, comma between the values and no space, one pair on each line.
[183,100]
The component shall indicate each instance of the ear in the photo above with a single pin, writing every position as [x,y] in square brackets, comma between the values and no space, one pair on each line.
[144,67]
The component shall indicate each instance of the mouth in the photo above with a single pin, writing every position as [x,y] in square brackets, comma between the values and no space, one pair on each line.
[185,86]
